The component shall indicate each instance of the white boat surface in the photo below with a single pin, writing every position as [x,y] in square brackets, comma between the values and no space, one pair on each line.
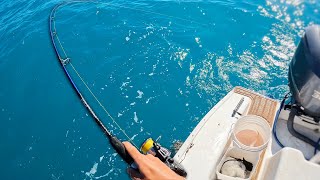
[202,151]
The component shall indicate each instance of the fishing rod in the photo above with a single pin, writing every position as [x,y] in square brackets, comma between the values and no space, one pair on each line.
[149,146]
[114,141]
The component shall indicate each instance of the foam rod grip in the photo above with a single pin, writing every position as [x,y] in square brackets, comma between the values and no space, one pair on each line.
[121,150]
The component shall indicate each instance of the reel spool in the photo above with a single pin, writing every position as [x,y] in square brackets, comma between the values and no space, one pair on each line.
[151,147]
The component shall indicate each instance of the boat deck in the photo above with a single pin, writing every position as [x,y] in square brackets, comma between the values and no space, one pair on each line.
[261,106]
[206,144]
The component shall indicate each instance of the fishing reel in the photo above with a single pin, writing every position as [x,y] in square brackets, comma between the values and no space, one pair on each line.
[154,148]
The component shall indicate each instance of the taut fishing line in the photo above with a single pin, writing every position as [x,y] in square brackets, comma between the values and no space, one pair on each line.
[149,146]
[65,60]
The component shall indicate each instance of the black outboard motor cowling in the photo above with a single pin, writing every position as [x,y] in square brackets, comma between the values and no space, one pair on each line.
[304,72]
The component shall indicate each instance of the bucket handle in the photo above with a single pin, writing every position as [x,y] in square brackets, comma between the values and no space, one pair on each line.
[258,150]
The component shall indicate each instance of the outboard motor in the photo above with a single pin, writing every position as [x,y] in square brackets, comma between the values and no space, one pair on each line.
[304,82]
[304,73]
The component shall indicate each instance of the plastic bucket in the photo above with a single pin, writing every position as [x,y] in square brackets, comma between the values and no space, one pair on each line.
[240,154]
[251,133]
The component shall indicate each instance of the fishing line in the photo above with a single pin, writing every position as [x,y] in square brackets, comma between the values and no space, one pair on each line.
[95,97]
[160,152]
[65,61]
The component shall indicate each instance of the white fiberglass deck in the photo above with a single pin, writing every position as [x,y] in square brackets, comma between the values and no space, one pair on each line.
[204,147]
[202,151]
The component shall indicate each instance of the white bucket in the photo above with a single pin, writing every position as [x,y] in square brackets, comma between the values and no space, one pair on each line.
[240,154]
[251,133]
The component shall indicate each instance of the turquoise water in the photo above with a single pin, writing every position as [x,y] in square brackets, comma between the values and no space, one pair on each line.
[157,66]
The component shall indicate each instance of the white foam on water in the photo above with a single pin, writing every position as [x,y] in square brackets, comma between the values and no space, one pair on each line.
[67,133]
[132,104]
[148,100]
[279,54]
[132,138]
[182,54]
[119,114]
[188,81]
[263,11]
[124,84]
[93,170]
[101,158]
[135,118]
[127,38]
[257,74]
[191,67]
[197,39]
[105,175]
[140,93]
[288,19]
[230,50]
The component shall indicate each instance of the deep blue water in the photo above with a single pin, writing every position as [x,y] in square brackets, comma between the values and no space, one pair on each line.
[157,66]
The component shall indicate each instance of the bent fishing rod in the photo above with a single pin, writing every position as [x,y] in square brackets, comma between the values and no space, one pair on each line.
[149,146]
[114,141]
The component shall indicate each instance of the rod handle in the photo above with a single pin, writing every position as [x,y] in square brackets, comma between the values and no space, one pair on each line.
[121,150]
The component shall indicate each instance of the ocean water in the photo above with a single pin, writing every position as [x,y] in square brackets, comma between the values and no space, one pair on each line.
[157,66]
